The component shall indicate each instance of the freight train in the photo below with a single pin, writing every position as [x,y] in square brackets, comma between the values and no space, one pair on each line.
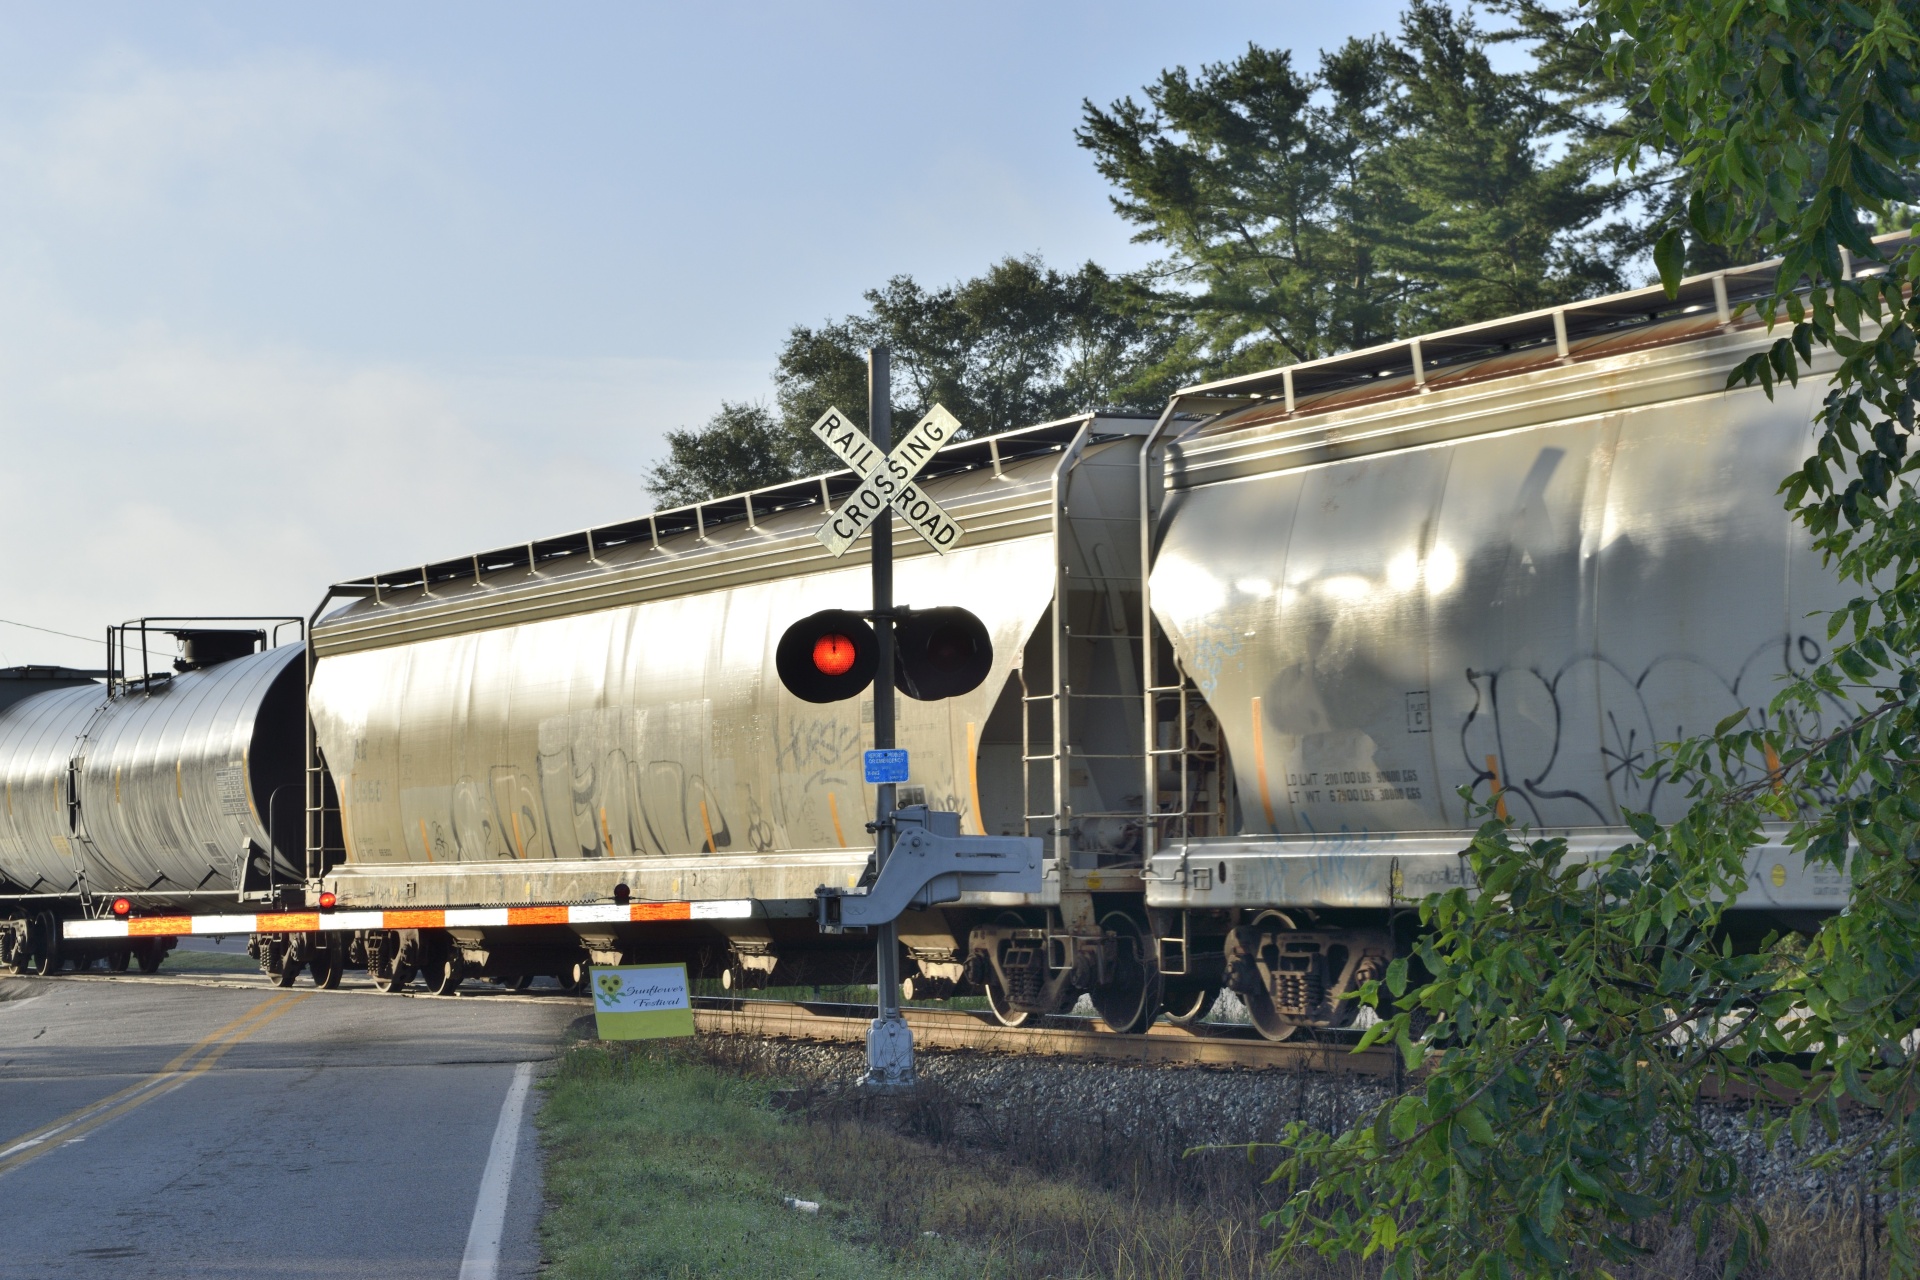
[1248,656]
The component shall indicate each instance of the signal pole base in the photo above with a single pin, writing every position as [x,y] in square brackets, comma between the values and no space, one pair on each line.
[889,1056]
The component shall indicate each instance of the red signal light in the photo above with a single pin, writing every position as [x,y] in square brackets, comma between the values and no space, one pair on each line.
[122,907]
[327,900]
[827,656]
[833,654]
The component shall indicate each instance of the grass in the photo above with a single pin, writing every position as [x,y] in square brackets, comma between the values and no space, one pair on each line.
[662,1166]
[664,1162]
[670,1159]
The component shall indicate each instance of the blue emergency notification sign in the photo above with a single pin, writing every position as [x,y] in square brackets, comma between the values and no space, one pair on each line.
[886,766]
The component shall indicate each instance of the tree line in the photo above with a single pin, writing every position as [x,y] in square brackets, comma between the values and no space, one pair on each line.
[1299,208]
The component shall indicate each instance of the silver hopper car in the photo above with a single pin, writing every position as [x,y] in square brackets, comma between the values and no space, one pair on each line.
[1246,655]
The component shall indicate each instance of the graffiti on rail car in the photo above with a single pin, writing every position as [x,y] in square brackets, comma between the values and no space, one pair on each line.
[1540,729]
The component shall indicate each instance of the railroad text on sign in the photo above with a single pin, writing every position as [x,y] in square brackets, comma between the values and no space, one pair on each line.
[888,480]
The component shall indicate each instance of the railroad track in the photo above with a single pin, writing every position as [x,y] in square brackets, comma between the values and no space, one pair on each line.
[1212,1044]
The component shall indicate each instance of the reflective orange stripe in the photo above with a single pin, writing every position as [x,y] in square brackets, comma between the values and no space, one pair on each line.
[293,920]
[159,926]
[662,911]
[415,920]
[536,915]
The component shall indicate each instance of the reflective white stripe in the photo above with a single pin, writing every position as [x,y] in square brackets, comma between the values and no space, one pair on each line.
[482,917]
[354,920]
[468,918]
[223,924]
[735,909]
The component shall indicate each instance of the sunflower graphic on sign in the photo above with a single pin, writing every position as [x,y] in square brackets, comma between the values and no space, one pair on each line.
[641,1001]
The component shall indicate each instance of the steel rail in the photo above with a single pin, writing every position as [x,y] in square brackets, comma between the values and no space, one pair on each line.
[1163,1045]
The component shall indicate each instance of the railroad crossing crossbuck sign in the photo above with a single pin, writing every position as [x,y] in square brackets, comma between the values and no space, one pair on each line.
[888,481]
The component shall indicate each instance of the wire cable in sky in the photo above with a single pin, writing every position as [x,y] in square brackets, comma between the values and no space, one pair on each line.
[50,631]
[69,635]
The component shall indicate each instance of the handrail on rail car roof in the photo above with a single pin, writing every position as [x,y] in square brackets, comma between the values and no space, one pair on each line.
[750,505]
[1423,353]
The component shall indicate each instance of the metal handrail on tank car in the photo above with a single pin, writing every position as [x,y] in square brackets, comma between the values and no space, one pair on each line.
[116,671]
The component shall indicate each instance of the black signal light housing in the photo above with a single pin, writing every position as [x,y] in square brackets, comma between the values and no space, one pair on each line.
[940,653]
[828,656]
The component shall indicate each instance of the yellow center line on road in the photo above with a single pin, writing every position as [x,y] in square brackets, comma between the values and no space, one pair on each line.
[174,1074]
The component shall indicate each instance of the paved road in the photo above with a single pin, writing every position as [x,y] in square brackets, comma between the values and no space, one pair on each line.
[218,1127]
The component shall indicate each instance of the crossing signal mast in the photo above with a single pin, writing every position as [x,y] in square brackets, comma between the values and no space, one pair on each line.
[919,858]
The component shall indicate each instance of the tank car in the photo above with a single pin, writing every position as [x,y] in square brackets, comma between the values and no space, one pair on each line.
[163,789]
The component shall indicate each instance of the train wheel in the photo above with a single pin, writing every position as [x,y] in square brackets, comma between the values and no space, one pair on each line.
[117,961]
[1003,1011]
[396,978]
[523,982]
[387,962]
[575,977]
[46,944]
[328,968]
[1130,1000]
[289,970]
[442,974]
[1268,1021]
[1188,1006]
[149,959]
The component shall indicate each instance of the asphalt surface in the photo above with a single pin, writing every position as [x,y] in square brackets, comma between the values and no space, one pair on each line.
[215,1126]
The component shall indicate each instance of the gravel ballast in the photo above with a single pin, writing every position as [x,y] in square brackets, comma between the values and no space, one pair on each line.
[1008,1101]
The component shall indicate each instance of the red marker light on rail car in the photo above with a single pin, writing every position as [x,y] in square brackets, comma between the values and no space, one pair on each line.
[327,900]
[833,654]
[122,907]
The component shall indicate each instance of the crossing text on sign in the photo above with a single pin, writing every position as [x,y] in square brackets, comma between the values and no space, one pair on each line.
[888,480]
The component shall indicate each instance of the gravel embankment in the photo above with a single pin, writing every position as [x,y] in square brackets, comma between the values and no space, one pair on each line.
[1005,1101]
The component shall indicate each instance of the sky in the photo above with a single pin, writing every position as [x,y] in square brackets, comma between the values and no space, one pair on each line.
[296,293]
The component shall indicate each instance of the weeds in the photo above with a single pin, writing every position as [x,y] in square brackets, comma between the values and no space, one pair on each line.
[674,1158]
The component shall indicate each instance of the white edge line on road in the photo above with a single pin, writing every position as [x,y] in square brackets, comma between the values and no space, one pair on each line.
[482,1258]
